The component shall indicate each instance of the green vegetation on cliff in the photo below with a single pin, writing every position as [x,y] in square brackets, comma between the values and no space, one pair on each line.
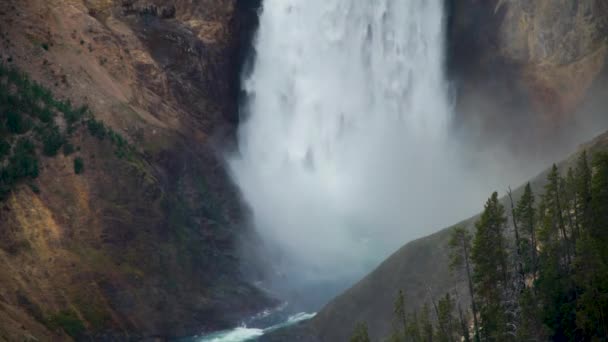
[68,322]
[360,334]
[33,122]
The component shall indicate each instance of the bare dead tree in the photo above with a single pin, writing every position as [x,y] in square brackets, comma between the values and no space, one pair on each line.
[516,286]
[518,257]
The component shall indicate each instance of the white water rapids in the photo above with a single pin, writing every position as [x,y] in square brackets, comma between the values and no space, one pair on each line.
[244,333]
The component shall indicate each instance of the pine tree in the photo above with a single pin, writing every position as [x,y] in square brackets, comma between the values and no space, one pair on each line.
[360,334]
[529,323]
[599,202]
[490,275]
[399,318]
[464,328]
[525,214]
[531,327]
[590,277]
[592,262]
[554,285]
[426,325]
[556,225]
[414,331]
[460,257]
[448,325]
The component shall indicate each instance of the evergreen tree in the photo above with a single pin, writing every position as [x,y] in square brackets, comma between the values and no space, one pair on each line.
[399,318]
[460,257]
[360,334]
[413,331]
[531,326]
[592,262]
[555,225]
[448,325]
[490,275]
[525,214]
[464,328]
[426,324]
[554,285]
[591,278]
[599,202]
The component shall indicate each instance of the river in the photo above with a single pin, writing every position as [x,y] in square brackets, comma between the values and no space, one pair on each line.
[253,330]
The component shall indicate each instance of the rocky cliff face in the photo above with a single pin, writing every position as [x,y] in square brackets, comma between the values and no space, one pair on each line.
[141,246]
[535,67]
[561,46]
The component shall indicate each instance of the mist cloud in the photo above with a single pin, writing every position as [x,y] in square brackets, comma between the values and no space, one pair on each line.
[349,147]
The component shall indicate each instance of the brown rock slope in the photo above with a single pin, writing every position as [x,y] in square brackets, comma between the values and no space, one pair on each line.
[140,246]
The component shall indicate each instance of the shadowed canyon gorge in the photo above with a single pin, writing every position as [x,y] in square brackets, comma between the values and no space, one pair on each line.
[233,158]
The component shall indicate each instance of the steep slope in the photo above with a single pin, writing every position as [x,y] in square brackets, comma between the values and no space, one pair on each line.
[143,245]
[420,269]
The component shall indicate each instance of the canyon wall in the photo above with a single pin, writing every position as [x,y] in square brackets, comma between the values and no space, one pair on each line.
[138,246]
[146,246]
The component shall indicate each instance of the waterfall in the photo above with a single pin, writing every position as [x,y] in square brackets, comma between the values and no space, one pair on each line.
[343,150]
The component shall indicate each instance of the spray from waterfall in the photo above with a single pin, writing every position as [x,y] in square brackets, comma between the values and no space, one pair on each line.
[345,150]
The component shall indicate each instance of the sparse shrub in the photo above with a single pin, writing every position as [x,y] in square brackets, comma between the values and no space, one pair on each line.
[16,123]
[38,92]
[31,307]
[97,129]
[34,187]
[360,334]
[73,115]
[122,147]
[68,322]
[5,189]
[52,141]
[5,148]
[23,162]
[78,165]
[68,149]
[95,315]
[45,115]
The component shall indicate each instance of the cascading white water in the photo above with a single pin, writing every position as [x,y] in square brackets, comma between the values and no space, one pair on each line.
[344,153]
